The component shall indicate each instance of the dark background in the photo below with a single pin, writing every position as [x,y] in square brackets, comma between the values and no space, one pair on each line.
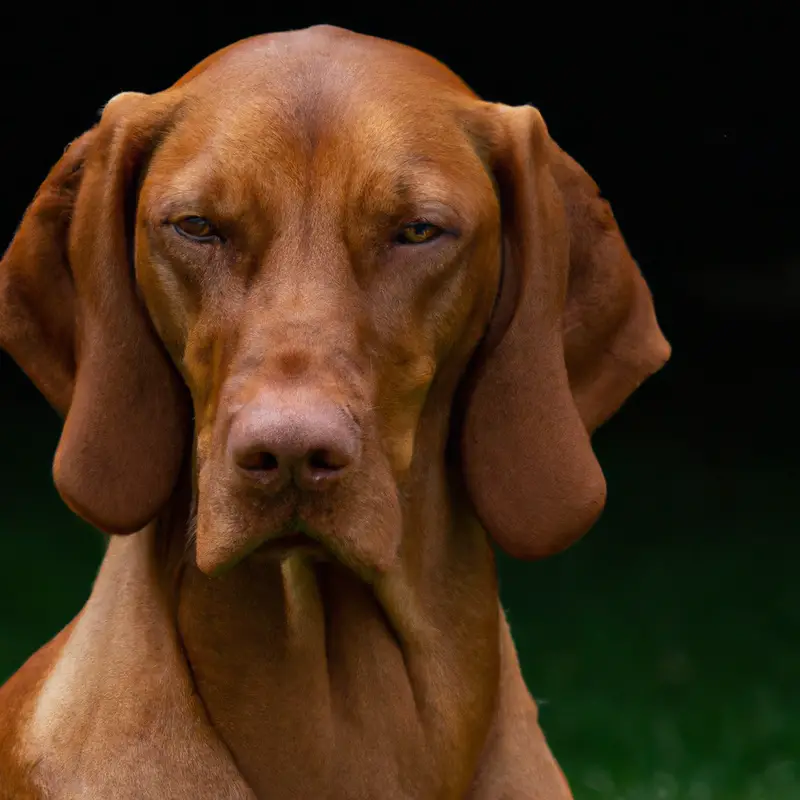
[664,646]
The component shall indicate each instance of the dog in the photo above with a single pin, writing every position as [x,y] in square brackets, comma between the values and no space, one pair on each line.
[322,325]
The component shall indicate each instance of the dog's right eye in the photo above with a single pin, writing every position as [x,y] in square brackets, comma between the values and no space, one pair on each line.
[197,228]
[419,233]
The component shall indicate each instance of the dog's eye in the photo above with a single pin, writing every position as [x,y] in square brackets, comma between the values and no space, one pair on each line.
[198,228]
[419,233]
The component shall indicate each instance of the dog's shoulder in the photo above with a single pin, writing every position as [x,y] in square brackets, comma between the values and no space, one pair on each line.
[17,700]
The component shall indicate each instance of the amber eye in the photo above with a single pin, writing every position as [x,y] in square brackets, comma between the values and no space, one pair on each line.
[419,233]
[198,228]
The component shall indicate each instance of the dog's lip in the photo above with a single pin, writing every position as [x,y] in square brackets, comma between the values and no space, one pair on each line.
[288,542]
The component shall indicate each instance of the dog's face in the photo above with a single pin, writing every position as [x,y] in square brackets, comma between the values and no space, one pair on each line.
[317,246]
[307,232]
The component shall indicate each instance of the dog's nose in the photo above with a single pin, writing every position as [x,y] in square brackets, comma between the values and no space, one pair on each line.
[275,440]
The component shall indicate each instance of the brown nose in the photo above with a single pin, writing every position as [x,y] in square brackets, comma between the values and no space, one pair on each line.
[275,440]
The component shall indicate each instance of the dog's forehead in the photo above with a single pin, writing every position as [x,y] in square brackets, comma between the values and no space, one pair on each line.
[323,97]
[320,51]
[326,77]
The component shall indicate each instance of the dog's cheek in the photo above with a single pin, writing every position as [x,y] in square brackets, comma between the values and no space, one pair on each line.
[203,368]
[169,303]
[402,398]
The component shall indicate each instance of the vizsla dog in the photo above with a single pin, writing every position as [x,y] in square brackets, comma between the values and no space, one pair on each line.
[322,324]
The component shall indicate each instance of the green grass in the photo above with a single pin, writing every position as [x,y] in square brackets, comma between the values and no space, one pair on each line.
[665,644]
[663,648]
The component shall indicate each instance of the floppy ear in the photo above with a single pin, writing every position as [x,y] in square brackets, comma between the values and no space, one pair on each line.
[573,334]
[37,296]
[71,318]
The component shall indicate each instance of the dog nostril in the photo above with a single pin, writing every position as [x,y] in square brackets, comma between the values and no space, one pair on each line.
[325,461]
[258,462]
[273,443]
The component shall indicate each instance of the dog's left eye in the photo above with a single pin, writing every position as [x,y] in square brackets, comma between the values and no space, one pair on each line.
[197,228]
[419,233]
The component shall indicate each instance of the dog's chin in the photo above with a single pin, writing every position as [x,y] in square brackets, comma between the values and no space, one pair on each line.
[364,537]
[293,541]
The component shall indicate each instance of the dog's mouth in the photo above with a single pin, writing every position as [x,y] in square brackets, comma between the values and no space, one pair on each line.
[235,523]
[294,539]
[284,546]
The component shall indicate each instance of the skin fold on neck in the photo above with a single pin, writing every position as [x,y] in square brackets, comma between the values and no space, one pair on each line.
[293,678]
[318,682]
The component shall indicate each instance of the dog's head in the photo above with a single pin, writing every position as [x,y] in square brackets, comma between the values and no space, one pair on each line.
[322,253]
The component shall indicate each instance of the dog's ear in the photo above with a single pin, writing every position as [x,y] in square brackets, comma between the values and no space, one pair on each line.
[573,334]
[71,318]
[37,296]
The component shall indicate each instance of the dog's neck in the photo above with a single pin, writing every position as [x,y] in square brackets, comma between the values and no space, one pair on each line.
[318,682]
[301,680]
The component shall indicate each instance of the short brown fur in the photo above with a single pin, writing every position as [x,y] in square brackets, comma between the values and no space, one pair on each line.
[468,373]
